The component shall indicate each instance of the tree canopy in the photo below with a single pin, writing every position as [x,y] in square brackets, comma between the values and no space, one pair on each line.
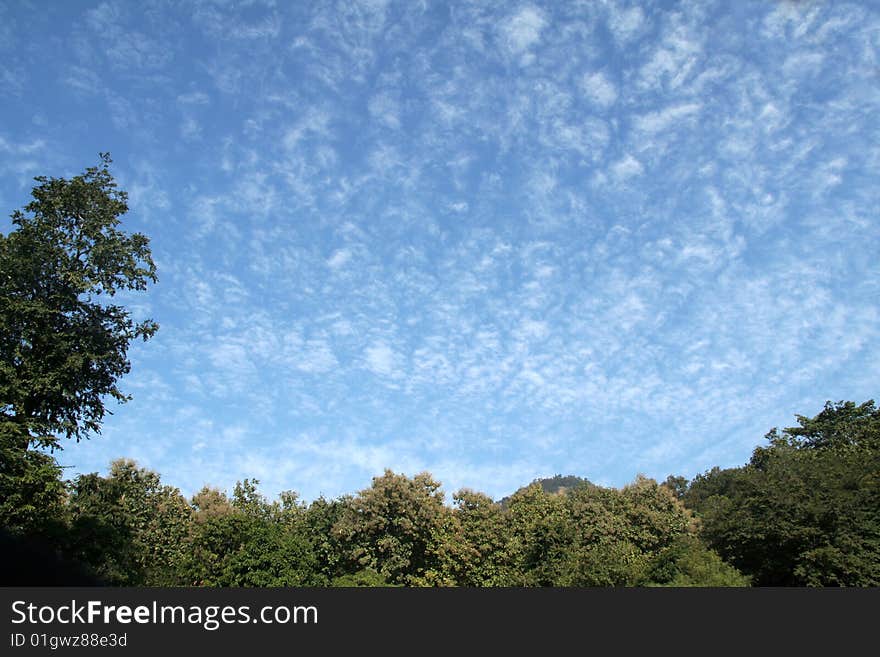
[63,344]
[805,510]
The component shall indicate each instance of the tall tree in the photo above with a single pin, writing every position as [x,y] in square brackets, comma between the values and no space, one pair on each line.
[540,536]
[248,541]
[484,555]
[62,349]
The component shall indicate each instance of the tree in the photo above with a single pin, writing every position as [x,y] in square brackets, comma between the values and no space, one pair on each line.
[677,484]
[619,532]
[688,562]
[485,560]
[805,510]
[540,534]
[330,549]
[61,349]
[128,526]
[32,494]
[840,425]
[249,541]
[400,529]
[210,503]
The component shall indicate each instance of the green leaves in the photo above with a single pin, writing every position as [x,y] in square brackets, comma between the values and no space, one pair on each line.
[128,526]
[688,562]
[806,509]
[249,542]
[399,528]
[591,536]
[61,350]
[32,495]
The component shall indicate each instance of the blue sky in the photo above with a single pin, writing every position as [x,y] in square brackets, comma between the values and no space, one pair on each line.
[491,240]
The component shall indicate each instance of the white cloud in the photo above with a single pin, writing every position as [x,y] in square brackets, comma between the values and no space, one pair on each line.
[523,30]
[627,167]
[386,109]
[381,359]
[190,129]
[626,24]
[654,122]
[339,258]
[315,123]
[533,329]
[316,356]
[599,89]
[83,79]
[21,148]
[385,193]
[194,98]
[802,64]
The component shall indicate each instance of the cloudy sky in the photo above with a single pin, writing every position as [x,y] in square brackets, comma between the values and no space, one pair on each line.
[491,240]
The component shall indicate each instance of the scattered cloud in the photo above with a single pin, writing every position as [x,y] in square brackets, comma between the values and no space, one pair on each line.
[599,89]
[523,30]
[380,359]
[491,242]
[627,168]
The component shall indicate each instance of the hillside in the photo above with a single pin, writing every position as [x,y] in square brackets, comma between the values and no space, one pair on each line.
[555,484]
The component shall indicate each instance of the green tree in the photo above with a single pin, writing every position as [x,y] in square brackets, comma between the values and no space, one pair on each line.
[61,349]
[400,529]
[249,541]
[210,503]
[485,560]
[247,500]
[840,425]
[32,495]
[330,549]
[687,562]
[128,526]
[619,532]
[806,509]
[540,534]
[365,578]
[677,484]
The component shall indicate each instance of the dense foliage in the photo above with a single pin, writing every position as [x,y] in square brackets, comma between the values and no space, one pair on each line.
[63,344]
[62,349]
[805,511]
[130,529]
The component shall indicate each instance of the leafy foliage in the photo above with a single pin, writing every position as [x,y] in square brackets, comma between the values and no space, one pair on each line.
[806,509]
[362,579]
[687,562]
[484,552]
[128,526]
[803,511]
[248,541]
[61,349]
[399,528]
[555,484]
[592,536]
[32,495]
[621,531]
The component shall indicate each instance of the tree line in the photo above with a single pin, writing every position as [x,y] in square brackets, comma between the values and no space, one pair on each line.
[804,511]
